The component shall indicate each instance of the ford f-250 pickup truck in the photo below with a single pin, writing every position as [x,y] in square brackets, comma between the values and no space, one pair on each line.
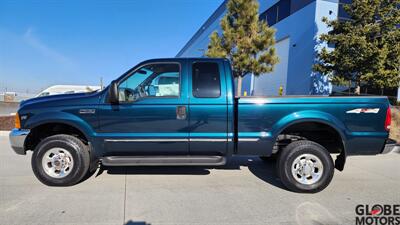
[184,112]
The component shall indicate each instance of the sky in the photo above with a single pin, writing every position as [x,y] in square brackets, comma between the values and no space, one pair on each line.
[44,42]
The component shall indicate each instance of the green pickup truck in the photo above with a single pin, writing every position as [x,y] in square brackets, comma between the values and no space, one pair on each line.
[183,111]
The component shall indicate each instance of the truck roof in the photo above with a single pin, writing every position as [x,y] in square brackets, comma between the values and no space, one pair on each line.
[181,59]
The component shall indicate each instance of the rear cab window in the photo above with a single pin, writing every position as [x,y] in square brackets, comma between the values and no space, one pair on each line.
[206,80]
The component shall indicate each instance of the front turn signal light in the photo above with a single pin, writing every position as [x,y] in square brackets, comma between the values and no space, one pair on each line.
[17,121]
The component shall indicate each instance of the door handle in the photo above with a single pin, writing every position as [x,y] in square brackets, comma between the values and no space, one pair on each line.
[181,112]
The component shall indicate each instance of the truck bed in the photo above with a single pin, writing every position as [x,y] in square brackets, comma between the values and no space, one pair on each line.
[358,120]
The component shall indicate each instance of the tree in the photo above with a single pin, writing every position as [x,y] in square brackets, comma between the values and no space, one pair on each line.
[245,40]
[367,46]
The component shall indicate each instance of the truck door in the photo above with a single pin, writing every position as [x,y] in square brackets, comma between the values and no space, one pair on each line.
[207,108]
[151,118]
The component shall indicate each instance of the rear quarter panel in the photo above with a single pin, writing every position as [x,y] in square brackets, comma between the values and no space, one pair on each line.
[261,120]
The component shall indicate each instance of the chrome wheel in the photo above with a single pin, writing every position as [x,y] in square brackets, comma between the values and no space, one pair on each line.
[307,169]
[57,162]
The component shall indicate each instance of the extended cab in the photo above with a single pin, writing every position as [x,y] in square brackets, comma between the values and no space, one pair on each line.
[184,112]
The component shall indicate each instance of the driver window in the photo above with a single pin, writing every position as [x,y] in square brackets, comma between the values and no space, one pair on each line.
[153,80]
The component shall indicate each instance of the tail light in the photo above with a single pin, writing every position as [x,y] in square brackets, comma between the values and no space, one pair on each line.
[17,121]
[388,119]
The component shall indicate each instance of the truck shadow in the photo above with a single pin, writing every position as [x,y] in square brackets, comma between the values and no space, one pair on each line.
[130,222]
[264,171]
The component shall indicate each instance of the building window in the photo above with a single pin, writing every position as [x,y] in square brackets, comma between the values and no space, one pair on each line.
[296,5]
[205,80]
[282,9]
[342,14]
[277,12]
[270,15]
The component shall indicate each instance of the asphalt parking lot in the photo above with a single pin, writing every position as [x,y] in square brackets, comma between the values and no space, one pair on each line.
[246,191]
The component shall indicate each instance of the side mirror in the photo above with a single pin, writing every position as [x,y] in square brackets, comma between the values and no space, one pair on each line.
[113,93]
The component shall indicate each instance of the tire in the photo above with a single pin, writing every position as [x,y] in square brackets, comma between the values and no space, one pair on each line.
[299,164]
[60,160]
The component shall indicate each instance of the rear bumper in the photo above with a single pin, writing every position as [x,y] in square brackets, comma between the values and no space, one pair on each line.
[391,145]
[17,140]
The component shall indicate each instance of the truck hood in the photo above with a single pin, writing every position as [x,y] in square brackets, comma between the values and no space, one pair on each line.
[63,99]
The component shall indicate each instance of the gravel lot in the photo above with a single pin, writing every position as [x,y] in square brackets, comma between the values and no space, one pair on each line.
[246,191]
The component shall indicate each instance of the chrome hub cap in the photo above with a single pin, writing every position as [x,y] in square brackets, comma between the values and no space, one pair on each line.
[57,162]
[307,169]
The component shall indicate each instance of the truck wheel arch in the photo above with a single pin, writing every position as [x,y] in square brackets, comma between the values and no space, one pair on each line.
[303,122]
[49,128]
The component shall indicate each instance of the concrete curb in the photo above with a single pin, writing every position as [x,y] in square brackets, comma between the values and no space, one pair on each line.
[4,133]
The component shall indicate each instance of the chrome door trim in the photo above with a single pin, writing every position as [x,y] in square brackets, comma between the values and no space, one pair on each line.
[178,140]
[149,140]
[209,139]
[249,139]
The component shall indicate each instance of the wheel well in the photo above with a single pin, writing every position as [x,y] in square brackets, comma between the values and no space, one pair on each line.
[43,131]
[318,132]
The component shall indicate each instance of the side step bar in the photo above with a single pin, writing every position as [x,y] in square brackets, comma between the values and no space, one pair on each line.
[163,160]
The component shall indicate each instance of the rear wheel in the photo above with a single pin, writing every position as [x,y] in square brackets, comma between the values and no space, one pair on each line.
[60,160]
[305,166]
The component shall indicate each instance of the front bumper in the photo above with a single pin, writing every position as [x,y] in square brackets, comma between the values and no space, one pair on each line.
[17,140]
[391,145]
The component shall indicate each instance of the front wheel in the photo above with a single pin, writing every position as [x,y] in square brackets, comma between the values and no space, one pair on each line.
[60,160]
[305,166]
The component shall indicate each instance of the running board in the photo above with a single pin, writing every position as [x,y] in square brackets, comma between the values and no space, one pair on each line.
[163,160]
